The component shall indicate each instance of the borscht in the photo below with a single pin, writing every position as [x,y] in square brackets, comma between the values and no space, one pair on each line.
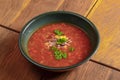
[59,45]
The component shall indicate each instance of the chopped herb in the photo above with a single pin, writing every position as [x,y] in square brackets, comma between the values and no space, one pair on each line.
[64,55]
[71,49]
[58,53]
[54,48]
[58,32]
[58,57]
[61,41]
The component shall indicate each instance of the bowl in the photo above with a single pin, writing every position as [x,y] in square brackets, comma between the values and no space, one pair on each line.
[54,17]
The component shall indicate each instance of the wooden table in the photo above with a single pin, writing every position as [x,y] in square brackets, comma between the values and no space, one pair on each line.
[104,65]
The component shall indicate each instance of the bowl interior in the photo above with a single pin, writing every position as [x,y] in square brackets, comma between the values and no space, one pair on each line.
[53,17]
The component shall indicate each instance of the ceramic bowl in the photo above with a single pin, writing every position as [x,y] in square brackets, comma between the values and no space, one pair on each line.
[53,17]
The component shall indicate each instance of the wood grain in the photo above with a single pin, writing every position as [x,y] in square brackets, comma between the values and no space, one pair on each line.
[80,6]
[35,8]
[10,10]
[106,16]
[13,66]
[88,71]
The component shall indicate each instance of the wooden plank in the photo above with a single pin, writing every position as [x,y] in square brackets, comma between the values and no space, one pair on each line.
[10,10]
[79,6]
[106,16]
[35,8]
[88,71]
[13,66]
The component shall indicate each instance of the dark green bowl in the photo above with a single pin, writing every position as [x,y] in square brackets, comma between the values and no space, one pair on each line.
[53,17]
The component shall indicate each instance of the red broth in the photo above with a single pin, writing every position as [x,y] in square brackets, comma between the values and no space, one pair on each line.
[42,53]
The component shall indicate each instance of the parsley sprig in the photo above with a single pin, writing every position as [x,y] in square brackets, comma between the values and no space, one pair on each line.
[58,32]
[61,41]
[58,53]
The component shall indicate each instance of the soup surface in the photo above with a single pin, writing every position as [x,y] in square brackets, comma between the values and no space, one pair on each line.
[59,45]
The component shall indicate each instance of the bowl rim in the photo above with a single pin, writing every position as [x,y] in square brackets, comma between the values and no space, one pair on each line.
[57,68]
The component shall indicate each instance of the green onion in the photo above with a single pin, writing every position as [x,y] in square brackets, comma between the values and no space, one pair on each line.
[58,32]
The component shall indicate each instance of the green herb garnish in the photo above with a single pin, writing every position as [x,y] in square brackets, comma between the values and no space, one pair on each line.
[64,55]
[71,49]
[58,32]
[54,48]
[58,57]
[61,41]
[58,53]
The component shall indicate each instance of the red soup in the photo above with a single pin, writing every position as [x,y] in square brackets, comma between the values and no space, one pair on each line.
[59,45]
